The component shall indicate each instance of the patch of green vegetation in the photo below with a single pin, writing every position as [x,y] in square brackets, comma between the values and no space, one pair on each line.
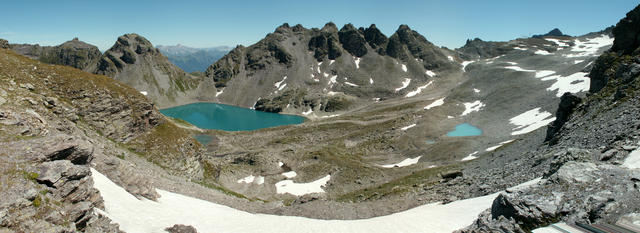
[37,202]
[402,185]
[121,156]
[32,176]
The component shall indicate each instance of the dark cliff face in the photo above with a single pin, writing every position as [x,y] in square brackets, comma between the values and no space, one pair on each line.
[621,64]
[627,33]
[74,53]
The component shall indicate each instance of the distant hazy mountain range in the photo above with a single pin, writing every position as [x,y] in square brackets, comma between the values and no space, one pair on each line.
[193,59]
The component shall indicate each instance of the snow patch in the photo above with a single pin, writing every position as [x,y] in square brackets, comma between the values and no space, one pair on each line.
[330,116]
[370,81]
[633,160]
[476,90]
[518,48]
[307,112]
[544,73]
[142,92]
[248,179]
[350,84]
[408,127]
[434,104]
[290,174]
[332,93]
[403,163]
[472,107]
[558,42]
[299,189]
[590,47]
[404,67]
[331,62]
[542,52]
[219,93]
[405,84]
[280,164]
[450,58]
[282,87]
[574,83]
[252,179]
[470,157]
[577,61]
[357,61]
[277,84]
[499,145]
[417,91]
[430,73]
[530,121]
[464,65]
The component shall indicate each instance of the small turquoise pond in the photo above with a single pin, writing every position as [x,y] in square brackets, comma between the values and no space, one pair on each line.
[229,118]
[465,129]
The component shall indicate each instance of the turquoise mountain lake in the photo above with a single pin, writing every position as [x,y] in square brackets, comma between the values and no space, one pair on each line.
[465,129]
[229,118]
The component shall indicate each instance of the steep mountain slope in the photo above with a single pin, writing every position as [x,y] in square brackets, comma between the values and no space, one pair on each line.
[299,70]
[133,60]
[193,59]
[74,53]
[590,161]
[55,123]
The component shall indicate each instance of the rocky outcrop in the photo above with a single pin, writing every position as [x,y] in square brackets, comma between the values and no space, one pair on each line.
[627,33]
[568,102]
[55,191]
[616,65]
[4,44]
[74,53]
[179,228]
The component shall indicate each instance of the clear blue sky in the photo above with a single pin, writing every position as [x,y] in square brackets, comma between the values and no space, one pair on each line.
[232,22]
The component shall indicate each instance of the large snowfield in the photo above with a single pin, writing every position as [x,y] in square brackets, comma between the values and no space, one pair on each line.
[136,215]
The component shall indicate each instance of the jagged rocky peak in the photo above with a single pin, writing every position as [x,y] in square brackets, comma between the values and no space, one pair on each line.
[353,40]
[376,39]
[324,43]
[555,32]
[405,44]
[330,27]
[124,52]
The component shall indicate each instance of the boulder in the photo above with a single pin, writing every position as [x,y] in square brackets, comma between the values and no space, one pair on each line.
[179,228]
[568,102]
